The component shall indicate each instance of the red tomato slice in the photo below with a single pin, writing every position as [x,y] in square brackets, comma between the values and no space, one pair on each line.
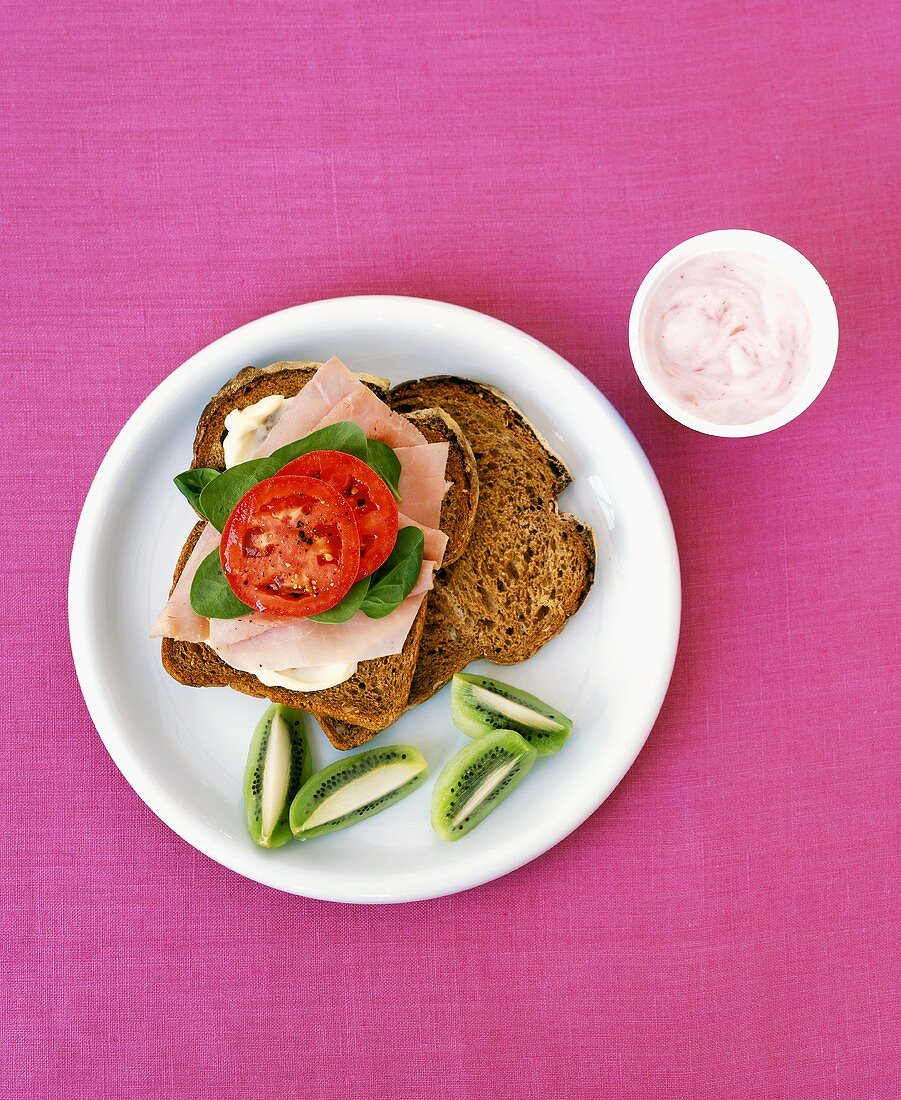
[291,546]
[372,502]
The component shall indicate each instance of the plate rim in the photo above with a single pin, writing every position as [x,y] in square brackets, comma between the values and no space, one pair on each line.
[154,794]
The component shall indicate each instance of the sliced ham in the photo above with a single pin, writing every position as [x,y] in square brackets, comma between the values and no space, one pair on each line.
[435,540]
[328,387]
[375,418]
[305,644]
[231,631]
[178,619]
[228,633]
[422,483]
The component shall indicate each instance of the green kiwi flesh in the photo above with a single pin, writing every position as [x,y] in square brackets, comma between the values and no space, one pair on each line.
[278,764]
[354,788]
[480,704]
[474,782]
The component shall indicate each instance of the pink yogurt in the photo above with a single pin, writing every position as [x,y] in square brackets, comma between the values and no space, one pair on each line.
[727,337]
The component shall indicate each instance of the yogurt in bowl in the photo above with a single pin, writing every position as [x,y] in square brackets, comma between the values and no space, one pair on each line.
[733,333]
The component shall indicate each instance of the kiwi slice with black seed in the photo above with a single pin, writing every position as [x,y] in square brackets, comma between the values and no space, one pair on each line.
[278,764]
[477,780]
[480,704]
[354,788]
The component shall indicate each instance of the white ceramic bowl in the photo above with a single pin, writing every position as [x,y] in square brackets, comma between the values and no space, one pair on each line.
[797,270]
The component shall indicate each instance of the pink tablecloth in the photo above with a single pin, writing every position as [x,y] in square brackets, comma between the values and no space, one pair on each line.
[727,924]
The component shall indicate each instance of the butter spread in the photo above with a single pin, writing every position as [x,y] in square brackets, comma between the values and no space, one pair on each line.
[247,428]
[316,678]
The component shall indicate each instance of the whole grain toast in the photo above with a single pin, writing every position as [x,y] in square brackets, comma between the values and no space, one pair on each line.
[527,567]
[376,695]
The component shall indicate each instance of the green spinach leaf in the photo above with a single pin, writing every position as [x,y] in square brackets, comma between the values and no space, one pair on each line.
[219,497]
[192,483]
[211,594]
[347,608]
[344,436]
[394,581]
[385,462]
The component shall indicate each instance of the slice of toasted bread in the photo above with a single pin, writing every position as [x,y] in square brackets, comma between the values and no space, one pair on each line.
[376,695]
[376,692]
[527,567]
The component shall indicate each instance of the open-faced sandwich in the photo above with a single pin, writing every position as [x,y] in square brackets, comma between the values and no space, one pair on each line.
[358,546]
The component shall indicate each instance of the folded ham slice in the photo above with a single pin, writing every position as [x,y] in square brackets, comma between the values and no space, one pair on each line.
[435,540]
[303,413]
[303,644]
[261,640]
[178,619]
[222,633]
[376,419]
[422,483]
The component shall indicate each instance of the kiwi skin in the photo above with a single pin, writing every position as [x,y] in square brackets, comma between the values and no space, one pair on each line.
[300,769]
[476,718]
[463,772]
[354,767]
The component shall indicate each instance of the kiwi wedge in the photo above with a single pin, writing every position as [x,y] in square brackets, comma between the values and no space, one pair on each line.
[477,780]
[278,764]
[356,787]
[480,704]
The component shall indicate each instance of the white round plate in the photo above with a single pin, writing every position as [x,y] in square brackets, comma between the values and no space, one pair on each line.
[183,749]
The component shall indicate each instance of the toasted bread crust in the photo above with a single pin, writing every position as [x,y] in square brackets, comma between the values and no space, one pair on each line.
[527,567]
[468,396]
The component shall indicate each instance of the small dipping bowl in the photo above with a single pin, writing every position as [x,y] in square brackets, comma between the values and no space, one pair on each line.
[797,270]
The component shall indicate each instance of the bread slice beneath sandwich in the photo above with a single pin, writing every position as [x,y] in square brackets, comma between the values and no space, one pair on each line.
[376,695]
[527,567]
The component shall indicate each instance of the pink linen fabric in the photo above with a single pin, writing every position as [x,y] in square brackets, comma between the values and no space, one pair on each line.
[727,924]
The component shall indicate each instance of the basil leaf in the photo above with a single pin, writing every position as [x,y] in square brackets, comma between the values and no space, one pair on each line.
[385,462]
[211,594]
[219,497]
[347,608]
[393,582]
[192,483]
